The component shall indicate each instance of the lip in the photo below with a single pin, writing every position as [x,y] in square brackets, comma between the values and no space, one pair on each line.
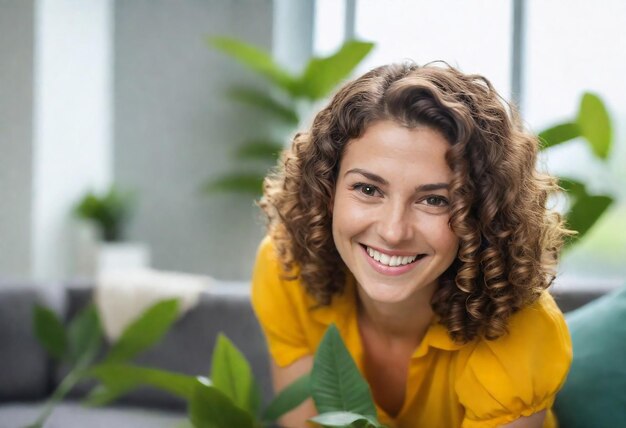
[390,252]
[390,270]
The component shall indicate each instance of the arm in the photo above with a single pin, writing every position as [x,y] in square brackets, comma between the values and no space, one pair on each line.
[533,421]
[282,377]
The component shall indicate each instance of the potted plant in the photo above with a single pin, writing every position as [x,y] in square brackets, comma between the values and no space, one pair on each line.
[285,99]
[103,241]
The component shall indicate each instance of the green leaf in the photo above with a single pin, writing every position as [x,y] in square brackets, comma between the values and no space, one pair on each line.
[84,336]
[255,59]
[573,187]
[49,331]
[260,150]
[323,74]
[266,103]
[336,384]
[289,398]
[344,419]
[559,134]
[237,182]
[121,378]
[144,332]
[595,124]
[103,395]
[231,373]
[210,408]
[585,212]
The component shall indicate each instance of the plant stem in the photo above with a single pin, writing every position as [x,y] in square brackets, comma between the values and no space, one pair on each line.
[70,380]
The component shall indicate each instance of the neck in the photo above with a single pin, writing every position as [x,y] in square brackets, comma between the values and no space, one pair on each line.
[406,321]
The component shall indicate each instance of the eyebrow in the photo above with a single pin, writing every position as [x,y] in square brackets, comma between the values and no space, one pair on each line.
[378,179]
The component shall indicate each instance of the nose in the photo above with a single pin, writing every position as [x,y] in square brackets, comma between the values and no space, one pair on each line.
[395,224]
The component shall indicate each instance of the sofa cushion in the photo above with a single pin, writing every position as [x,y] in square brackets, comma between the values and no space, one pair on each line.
[24,364]
[594,394]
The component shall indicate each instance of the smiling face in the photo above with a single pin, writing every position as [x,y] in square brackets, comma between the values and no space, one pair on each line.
[391,211]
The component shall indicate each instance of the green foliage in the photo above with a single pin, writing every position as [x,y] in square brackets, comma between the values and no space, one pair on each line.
[231,374]
[146,331]
[336,384]
[286,94]
[85,336]
[593,124]
[125,377]
[211,408]
[230,399]
[79,344]
[289,398]
[110,212]
[50,332]
[346,419]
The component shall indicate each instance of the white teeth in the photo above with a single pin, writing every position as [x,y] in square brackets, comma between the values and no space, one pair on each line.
[388,260]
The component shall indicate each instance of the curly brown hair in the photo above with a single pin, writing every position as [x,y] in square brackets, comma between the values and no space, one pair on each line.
[509,240]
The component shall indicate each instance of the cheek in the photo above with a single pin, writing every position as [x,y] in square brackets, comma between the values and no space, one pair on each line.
[440,233]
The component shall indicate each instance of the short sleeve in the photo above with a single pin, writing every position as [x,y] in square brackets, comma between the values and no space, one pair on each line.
[518,374]
[277,306]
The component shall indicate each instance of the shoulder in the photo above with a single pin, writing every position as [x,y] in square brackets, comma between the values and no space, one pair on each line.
[519,373]
[270,284]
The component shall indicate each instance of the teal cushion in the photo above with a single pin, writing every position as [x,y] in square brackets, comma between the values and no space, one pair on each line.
[594,394]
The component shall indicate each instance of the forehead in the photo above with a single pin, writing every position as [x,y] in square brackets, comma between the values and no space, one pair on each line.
[391,147]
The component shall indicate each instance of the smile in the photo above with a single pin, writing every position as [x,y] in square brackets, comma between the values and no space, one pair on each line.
[392,260]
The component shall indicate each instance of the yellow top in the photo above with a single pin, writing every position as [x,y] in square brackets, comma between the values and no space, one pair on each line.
[479,384]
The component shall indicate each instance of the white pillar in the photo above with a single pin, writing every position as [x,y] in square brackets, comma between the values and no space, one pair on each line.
[293,32]
[72,129]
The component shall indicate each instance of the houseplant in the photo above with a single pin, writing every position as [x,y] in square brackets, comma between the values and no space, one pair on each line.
[593,124]
[285,99]
[105,217]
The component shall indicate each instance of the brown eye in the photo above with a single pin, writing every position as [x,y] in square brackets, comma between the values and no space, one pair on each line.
[366,189]
[436,201]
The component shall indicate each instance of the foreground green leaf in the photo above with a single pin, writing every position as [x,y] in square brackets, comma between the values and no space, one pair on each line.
[336,384]
[84,336]
[49,331]
[144,332]
[265,102]
[595,124]
[559,134]
[210,408]
[323,74]
[289,398]
[121,378]
[231,374]
[345,419]
[255,59]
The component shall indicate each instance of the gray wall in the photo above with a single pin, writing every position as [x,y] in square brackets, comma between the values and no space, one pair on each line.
[16,135]
[173,129]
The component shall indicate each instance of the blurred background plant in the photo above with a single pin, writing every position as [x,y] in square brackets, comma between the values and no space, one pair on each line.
[287,100]
[592,124]
[110,211]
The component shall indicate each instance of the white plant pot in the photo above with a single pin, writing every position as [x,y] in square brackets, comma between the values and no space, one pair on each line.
[118,256]
[92,257]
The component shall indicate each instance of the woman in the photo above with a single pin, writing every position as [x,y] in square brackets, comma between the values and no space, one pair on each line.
[411,215]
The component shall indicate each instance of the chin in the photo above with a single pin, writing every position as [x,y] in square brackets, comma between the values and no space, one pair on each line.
[384,293]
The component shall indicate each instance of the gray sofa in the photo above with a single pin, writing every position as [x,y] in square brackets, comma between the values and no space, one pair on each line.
[27,375]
